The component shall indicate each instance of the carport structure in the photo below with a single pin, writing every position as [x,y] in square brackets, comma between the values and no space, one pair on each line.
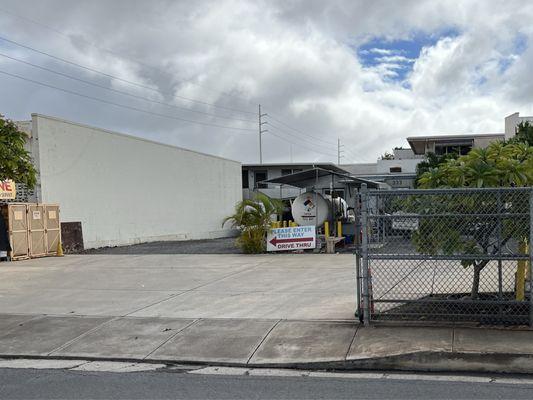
[326,181]
[329,182]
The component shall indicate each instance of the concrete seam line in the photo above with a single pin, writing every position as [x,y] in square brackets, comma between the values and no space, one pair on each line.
[351,342]
[262,341]
[68,343]
[190,290]
[172,337]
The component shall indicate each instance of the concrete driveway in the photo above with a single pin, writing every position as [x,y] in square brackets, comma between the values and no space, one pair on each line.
[288,286]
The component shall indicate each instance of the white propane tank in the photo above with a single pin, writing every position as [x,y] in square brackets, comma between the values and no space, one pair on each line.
[310,208]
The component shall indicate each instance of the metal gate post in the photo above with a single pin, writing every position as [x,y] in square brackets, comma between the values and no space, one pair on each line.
[530,258]
[364,252]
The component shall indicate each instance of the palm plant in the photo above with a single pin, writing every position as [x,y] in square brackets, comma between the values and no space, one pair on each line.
[253,218]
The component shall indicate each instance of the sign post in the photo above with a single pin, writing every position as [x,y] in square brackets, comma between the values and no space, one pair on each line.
[8,190]
[292,238]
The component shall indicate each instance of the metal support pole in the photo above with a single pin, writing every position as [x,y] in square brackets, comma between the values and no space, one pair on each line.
[358,309]
[500,272]
[364,252]
[530,258]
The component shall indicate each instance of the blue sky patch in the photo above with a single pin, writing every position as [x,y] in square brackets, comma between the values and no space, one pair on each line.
[394,58]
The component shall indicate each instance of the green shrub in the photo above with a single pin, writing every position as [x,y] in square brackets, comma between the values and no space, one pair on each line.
[252,218]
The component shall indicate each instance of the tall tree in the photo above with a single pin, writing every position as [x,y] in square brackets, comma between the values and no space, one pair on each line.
[15,161]
[500,165]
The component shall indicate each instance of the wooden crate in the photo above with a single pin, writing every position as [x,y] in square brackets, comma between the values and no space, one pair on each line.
[34,229]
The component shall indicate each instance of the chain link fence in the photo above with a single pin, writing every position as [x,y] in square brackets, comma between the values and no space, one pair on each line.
[446,255]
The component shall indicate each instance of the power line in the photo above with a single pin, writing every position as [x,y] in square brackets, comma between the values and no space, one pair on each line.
[120,91]
[301,145]
[296,137]
[303,133]
[121,79]
[113,52]
[123,105]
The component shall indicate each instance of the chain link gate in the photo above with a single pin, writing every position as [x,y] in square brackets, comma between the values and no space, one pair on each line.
[446,255]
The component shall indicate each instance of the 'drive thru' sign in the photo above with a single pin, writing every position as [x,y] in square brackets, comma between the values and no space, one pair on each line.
[293,238]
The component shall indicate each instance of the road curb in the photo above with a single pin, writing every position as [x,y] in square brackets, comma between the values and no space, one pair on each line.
[420,362]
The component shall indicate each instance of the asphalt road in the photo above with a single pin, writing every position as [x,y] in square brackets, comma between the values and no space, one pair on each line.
[207,246]
[64,384]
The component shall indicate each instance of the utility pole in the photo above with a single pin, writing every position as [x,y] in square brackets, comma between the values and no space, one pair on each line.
[291,151]
[339,151]
[261,131]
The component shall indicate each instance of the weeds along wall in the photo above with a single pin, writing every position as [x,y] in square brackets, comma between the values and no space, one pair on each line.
[126,190]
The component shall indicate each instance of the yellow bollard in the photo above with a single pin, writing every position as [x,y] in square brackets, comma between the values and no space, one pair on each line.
[339,229]
[59,249]
[521,273]
[326,229]
[284,223]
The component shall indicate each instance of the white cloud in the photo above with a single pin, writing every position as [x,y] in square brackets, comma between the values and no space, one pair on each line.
[395,58]
[296,58]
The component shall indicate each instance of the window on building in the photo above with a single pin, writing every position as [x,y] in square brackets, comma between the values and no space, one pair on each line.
[286,172]
[245,183]
[258,177]
[395,169]
[453,149]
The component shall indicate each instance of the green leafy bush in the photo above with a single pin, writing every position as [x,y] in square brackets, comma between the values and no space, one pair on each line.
[252,218]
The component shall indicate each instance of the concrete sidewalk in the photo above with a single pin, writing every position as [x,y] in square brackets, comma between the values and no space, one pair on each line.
[266,343]
[290,310]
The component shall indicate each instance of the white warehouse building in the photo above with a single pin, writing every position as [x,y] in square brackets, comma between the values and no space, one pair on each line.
[126,190]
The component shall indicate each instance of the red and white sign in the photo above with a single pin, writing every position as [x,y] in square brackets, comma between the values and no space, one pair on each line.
[8,190]
[293,238]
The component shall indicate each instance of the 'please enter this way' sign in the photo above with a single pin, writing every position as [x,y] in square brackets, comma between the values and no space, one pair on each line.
[293,238]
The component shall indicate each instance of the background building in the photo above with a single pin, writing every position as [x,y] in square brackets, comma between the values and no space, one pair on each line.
[511,121]
[127,190]
[254,174]
[446,144]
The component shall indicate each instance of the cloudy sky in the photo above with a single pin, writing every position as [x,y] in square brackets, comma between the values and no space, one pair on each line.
[192,73]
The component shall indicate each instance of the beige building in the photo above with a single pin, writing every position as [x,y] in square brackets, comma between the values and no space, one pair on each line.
[444,144]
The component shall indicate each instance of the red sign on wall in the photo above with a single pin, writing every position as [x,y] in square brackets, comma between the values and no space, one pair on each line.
[8,190]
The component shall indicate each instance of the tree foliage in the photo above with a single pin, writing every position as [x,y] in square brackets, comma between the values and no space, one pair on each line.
[431,162]
[499,165]
[523,134]
[15,161]
[253,218]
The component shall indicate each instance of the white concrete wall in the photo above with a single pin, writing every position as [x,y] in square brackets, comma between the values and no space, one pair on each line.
[512,121]
[483,142]
[407,165]
[128,190]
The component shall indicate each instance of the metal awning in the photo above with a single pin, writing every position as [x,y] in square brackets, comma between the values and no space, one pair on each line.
[308,178]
